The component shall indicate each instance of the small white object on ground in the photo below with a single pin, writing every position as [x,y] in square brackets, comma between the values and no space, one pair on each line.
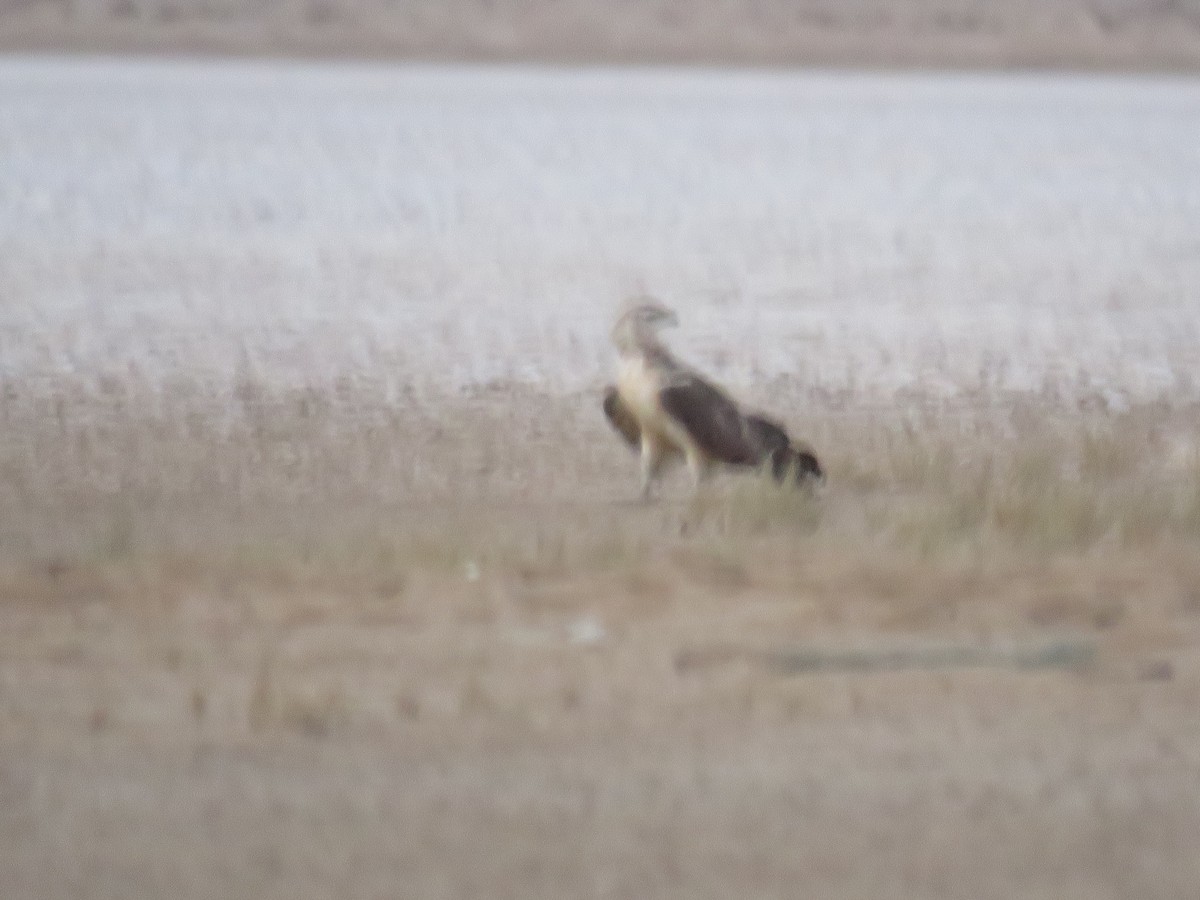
[587,631]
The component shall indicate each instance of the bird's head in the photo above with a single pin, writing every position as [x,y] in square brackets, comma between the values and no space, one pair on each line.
[637,327]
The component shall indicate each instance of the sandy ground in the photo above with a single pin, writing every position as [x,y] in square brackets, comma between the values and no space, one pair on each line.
[1106,34]
[318,568]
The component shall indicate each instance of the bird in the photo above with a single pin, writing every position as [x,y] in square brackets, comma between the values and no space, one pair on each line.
[664,410]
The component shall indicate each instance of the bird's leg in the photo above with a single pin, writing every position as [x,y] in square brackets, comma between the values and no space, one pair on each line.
[652,459]
[700,470]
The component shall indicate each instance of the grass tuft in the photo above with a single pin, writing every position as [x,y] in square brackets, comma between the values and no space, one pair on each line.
[338,489]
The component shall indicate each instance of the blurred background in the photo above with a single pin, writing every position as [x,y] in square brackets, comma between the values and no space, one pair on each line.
[1137,34]
[320,568]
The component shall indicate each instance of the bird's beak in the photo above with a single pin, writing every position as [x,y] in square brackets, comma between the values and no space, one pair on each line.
[669,319]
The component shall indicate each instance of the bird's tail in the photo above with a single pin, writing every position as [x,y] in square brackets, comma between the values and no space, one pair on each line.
[796,463]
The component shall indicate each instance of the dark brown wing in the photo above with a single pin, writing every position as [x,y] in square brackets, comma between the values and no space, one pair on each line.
[769,436]
[620,417]
[794,459]
[712,419]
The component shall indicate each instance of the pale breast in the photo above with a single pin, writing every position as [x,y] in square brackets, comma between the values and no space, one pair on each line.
[638,385]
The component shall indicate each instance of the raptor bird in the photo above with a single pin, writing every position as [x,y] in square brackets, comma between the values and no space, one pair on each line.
[666,410]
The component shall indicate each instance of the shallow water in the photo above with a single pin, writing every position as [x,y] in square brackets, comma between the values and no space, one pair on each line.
[873,234]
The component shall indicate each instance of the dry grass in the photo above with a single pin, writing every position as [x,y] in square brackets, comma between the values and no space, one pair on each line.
[463,604]
[342,486]
[1012,519]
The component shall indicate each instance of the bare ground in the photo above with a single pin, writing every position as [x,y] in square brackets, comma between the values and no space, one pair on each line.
[313,643]
[1122,34]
